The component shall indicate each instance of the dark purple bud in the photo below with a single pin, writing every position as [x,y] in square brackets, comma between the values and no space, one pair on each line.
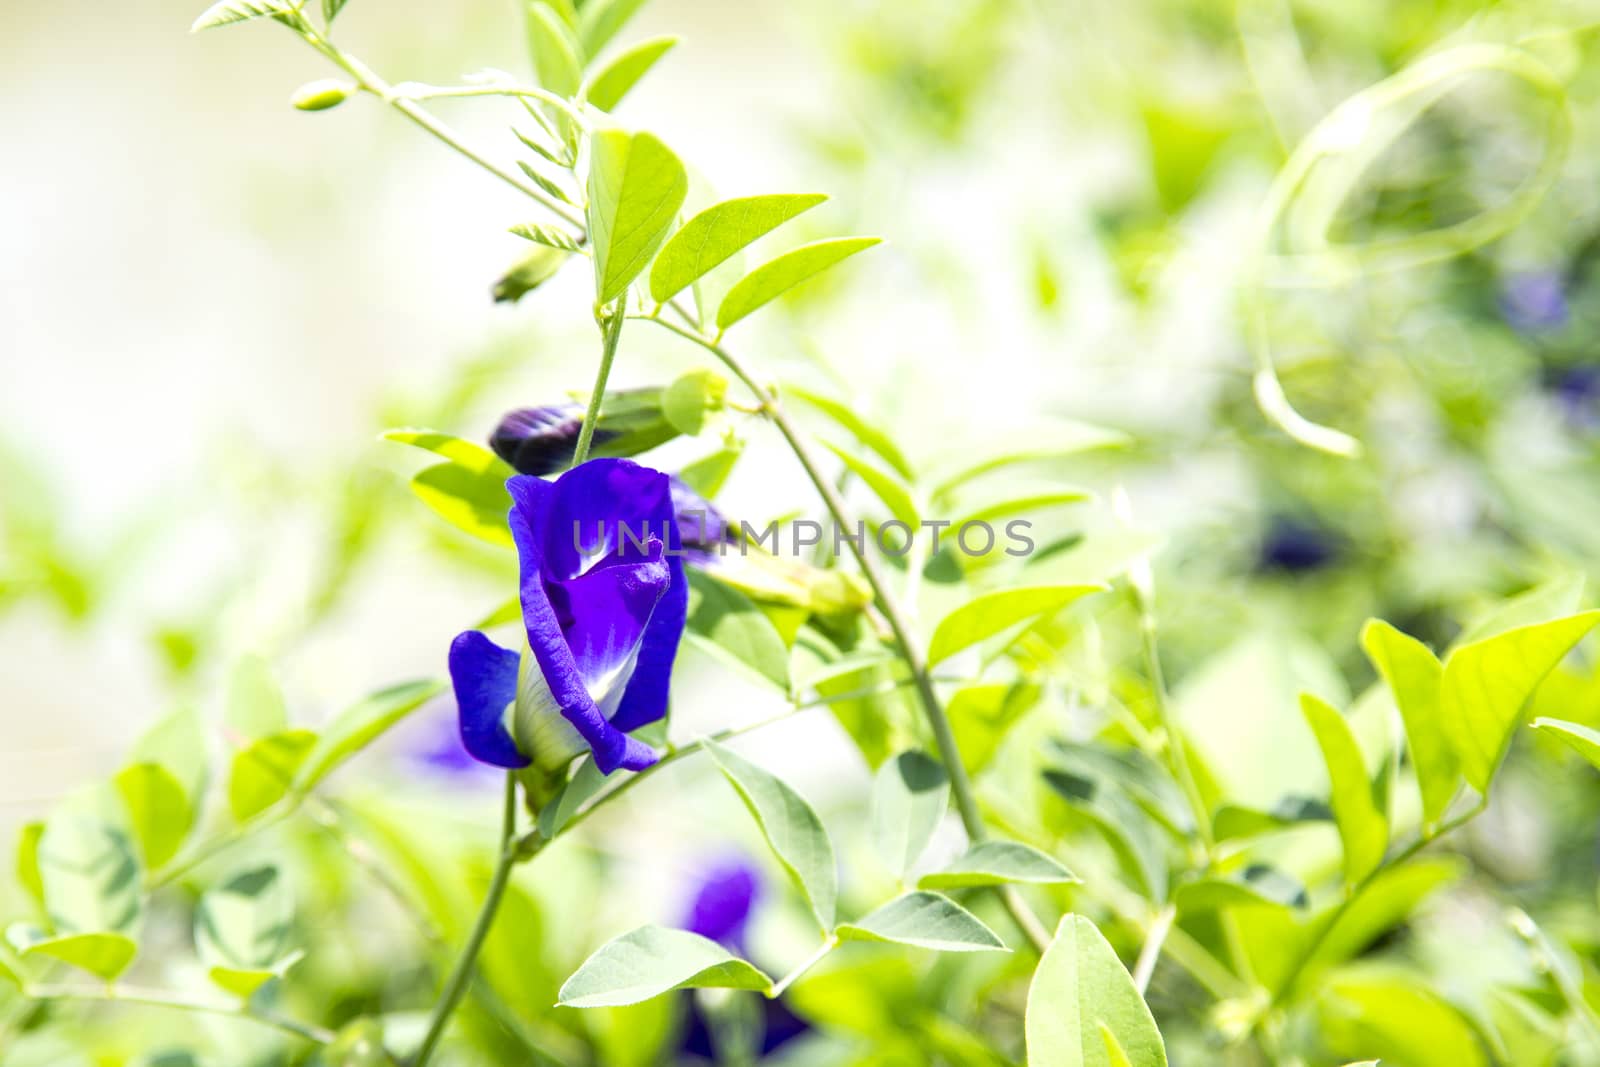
[1577,390]
[542,440]
[1295,547]
[539,440]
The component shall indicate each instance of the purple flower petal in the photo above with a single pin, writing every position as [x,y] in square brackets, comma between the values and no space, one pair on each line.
[594,507]
[485,680]
[593,584]
[605,611]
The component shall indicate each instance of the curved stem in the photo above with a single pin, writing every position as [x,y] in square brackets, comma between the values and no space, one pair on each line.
[1422,841]
[610,334]
[1154,938]
[369,80]
[809,962]
[161,999]
[933,710]
[456,986]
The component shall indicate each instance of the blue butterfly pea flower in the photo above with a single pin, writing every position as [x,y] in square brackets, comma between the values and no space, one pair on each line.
[723,901]
[604,601]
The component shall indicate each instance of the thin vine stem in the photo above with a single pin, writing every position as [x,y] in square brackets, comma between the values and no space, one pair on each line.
[1354,894]
[371,82]
[466,964]
[162,999]
[900,628]
[610,334]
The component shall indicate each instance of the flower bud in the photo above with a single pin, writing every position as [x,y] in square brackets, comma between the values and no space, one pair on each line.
[322,94]
[542,440]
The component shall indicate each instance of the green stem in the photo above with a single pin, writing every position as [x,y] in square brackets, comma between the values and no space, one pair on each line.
[531,839]
[213,846]
[161,999]
[461,976]
[610,333]
[1177,752]
[1154,937]
[369,80]
[938,722]
[1422,841]
[809,962]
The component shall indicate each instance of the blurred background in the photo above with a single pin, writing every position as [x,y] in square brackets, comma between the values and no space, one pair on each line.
[211,304]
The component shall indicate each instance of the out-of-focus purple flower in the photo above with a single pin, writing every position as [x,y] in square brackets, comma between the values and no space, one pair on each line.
[604,601]
[1534,301]
[1577,390]
[723,901]
[1296,547]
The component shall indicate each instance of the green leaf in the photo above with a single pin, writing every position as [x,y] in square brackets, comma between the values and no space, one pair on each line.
[691,397]
[707,475]
[264,771]
[1581,739]
[549,236]
[447,446]
[243,928]
[585,781]
[998,863]
[1233,821]
[792,829]
[555,52]
[1126,827]
[982,715]
[90,876]
[1363,828]
[1079,988]
[1257,885]
[28,875]
[177,743]
[599,21]
[715,234]
[735,630]
[227,12]
[1414,676]
[924,920]
[985,616]
[885,486]
[776,277]
[863,431]
[255,706]
[607,88]
[467,500]
[909,799]
[105,955]
[1061,439]
[555,189]
[636,186]
[1016,506]
[653,960]
[158,811]
[359,725]
[1115,1053]
[1487,684]
[1376,1010]
[331,9]
[1552,600]
[468,491]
